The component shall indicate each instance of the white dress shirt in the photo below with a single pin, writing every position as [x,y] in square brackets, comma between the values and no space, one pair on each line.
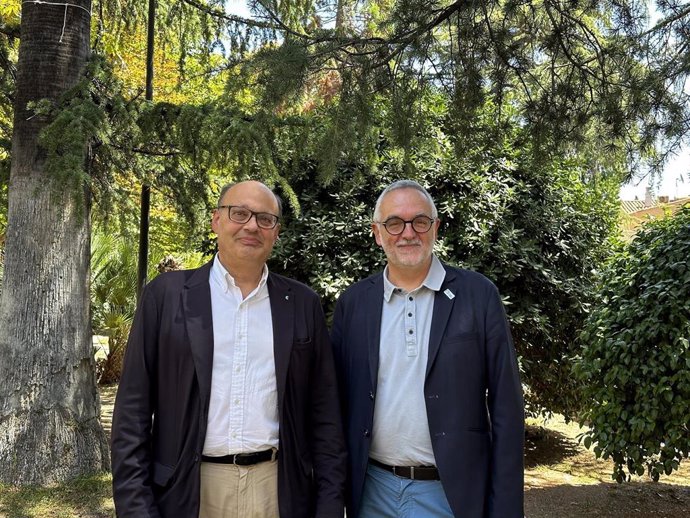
[243,411]
[401,428]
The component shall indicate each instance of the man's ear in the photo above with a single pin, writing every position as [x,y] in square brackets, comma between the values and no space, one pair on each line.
[377,233]
[215,216]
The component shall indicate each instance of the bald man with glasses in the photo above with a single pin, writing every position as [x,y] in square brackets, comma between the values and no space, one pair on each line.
[227,406]
[429,381]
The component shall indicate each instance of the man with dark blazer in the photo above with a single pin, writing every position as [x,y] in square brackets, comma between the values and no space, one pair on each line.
[429,381]
[227,406]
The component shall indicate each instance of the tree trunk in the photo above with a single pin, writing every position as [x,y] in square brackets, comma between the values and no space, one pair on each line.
[49,406]
[343,16]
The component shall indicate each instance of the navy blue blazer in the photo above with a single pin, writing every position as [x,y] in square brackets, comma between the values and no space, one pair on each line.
[472,391]
[161,410]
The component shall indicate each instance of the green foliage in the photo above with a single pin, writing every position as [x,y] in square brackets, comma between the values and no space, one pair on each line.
[502,109]
[114,287]
[551,66]
[281,72]
[537,228]
[77,121]
[109,145]
[113,297]
[9,24]
[104,144]
[635,356]
[329,246]
[572,69]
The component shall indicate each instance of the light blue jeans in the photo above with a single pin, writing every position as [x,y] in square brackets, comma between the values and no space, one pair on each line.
[388,496]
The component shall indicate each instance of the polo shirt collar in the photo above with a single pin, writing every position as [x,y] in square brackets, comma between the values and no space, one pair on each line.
[433,280]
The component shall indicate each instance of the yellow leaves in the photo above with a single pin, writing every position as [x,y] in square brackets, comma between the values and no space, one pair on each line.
[170,84]
[9,11]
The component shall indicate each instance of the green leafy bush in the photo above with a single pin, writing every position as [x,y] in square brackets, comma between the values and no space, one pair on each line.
[538,229]
[635,358]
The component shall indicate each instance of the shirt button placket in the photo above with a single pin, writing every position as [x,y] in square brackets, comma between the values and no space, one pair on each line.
[410,338]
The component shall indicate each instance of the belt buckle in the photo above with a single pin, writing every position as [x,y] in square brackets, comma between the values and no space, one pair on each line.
[234,458]
[412,473]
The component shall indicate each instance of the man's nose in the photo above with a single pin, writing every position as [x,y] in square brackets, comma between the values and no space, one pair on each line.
[252,223]
[408,232]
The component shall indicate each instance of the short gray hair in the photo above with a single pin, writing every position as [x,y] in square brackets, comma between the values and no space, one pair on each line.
[404,184]
[228,186]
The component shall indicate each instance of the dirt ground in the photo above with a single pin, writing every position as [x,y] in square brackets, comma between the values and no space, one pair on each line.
[564,480]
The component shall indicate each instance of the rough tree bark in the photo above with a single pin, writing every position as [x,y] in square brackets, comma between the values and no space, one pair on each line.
[49,407]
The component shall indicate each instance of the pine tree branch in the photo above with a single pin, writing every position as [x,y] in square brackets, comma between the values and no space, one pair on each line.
[358,47]
[579,64]
[217,13]
[518,71]
[661,24]
[147,152]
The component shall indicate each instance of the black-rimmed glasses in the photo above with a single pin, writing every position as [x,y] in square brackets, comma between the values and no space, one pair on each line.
[395,226]
[238,214]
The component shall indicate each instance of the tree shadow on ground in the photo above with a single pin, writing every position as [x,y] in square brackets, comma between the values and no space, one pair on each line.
[546,447]
[86,497]
[608,500]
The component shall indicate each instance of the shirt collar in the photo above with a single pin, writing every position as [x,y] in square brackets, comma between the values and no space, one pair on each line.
[226,281]
[433,280]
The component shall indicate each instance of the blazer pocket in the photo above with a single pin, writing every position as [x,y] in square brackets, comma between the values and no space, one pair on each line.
[461,338]
[478,430]
[301,343]
[162,474]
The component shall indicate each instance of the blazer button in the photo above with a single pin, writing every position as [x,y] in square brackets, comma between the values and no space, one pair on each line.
[371,395]
[366,433]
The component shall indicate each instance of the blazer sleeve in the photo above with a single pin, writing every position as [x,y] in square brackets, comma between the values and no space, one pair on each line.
[506,409]
[132,417]
[328,448]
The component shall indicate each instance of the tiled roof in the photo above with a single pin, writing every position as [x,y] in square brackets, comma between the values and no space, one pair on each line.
[631,220]
[629,206]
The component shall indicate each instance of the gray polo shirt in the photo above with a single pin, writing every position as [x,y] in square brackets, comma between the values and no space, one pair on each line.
[401,430]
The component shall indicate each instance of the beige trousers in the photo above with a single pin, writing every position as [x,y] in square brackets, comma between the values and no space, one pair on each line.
[230,491]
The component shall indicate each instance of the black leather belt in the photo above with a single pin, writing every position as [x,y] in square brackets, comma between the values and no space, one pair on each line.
[242,459]
[411,472]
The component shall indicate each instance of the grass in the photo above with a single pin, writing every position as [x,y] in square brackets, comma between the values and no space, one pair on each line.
[87,497]
[562,480]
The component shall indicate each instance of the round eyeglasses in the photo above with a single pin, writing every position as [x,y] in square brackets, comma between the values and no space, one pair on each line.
[238,214]
[396,226]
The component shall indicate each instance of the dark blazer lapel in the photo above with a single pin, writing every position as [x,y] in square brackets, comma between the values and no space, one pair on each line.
[196,304]
[374,302]
[282,315]
[443,306]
